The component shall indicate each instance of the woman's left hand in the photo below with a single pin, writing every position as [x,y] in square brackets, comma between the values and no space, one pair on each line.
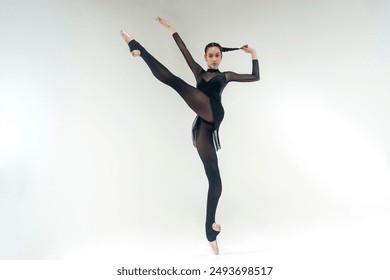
[252,51]
[247,49]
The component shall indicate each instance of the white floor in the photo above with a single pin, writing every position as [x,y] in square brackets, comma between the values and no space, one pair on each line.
[333,250]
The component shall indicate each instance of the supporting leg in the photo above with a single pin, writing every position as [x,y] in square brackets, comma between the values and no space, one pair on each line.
[208,155]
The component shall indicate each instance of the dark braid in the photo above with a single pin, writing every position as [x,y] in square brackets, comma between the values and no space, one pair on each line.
[229,49]
[222,49]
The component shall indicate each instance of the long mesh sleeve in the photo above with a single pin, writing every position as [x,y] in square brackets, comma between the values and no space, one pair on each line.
[255,76]
[195,67]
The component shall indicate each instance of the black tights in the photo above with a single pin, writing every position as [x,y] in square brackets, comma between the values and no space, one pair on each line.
[196,99]
[200,104]
[208,155]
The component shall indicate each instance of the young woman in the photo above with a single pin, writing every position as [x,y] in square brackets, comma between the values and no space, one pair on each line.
[205,101]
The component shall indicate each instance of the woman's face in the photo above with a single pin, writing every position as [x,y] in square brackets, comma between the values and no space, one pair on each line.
[213,57]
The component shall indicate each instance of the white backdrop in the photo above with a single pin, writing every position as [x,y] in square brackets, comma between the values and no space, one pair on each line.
[96,160]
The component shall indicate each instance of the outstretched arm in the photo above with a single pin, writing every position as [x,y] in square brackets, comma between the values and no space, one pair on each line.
[255,76]
[195,67]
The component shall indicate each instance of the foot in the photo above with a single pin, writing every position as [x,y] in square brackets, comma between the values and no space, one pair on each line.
[126,36]
[214,245]
[127,39]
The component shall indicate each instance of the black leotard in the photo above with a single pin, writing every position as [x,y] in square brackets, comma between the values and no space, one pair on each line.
[212,82]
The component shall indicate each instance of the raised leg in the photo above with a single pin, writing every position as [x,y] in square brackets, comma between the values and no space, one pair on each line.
[195,99]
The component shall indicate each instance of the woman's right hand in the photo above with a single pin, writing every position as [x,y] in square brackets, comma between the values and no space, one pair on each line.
[166,24]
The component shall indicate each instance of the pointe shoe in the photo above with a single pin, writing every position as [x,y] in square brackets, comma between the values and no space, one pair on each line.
[126,36]
[214,247]
[127,39]
[213,244]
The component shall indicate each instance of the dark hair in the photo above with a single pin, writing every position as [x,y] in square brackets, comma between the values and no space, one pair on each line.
[222,49]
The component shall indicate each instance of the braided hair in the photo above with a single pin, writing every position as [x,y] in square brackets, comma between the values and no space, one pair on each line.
[222,49]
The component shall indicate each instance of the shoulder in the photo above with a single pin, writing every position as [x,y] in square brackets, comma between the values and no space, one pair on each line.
[200,73]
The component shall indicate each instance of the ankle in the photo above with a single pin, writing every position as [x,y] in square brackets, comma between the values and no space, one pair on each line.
[212,231]
[136,53]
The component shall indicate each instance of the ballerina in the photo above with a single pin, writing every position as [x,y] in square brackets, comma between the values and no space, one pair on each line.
[205,101]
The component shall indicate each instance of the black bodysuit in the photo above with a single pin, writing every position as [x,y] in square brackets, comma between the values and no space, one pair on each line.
[205,101]
[212,82]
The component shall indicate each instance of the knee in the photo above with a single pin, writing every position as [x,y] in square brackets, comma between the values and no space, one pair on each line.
[212,173]
[215,186]
[215,192]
